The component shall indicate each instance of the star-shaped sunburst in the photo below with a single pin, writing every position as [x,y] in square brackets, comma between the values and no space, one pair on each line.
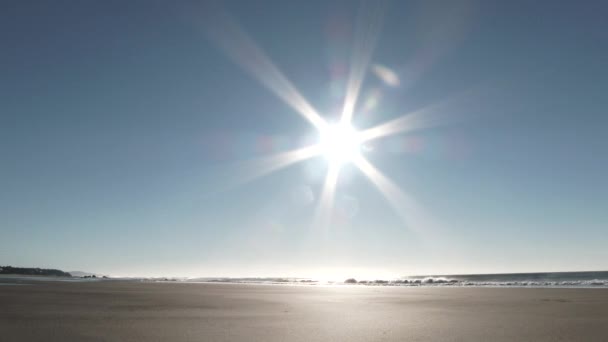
[339,142]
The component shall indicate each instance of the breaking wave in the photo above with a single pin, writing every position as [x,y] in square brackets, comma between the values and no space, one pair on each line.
[558,279]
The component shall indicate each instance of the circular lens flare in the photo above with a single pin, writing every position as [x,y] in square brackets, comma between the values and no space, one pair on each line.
[340,143]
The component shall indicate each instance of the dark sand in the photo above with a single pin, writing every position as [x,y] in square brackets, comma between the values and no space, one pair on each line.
[130,311]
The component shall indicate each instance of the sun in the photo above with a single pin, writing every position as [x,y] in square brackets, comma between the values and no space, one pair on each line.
[340,143]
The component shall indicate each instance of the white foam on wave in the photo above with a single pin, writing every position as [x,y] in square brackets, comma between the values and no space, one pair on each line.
[455,281]
[445,281]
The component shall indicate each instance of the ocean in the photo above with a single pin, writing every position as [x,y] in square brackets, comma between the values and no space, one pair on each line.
[544,279]
[596,279]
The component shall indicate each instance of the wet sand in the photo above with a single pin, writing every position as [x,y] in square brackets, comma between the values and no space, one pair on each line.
[131,311]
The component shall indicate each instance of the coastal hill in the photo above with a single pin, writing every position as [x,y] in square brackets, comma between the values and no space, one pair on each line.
[33,271]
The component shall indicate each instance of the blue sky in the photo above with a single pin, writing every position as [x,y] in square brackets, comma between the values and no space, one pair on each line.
[123,127]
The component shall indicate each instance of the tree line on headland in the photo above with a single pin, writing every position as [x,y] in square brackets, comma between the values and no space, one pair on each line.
[33,271]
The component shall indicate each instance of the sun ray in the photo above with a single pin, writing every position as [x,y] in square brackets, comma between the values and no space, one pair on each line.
[250,170]
[325,205]
[266,165]
[439,114]
[224,31]
[368,25]
[405,206]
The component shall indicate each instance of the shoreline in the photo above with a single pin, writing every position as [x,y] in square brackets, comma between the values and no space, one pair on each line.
[14,279]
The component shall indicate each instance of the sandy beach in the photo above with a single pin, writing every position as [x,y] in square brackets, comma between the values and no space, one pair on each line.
[120,311]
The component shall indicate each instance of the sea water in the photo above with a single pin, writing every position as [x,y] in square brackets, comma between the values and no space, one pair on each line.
[544,279]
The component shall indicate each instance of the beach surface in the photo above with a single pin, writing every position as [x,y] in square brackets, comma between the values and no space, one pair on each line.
[136,311]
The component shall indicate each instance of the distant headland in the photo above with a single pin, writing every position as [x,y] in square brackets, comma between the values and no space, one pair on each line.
[33,271]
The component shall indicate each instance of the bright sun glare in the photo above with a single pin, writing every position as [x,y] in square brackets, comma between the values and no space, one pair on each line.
[340,143]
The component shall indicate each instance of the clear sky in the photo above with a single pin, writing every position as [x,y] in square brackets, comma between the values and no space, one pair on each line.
[128,137]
